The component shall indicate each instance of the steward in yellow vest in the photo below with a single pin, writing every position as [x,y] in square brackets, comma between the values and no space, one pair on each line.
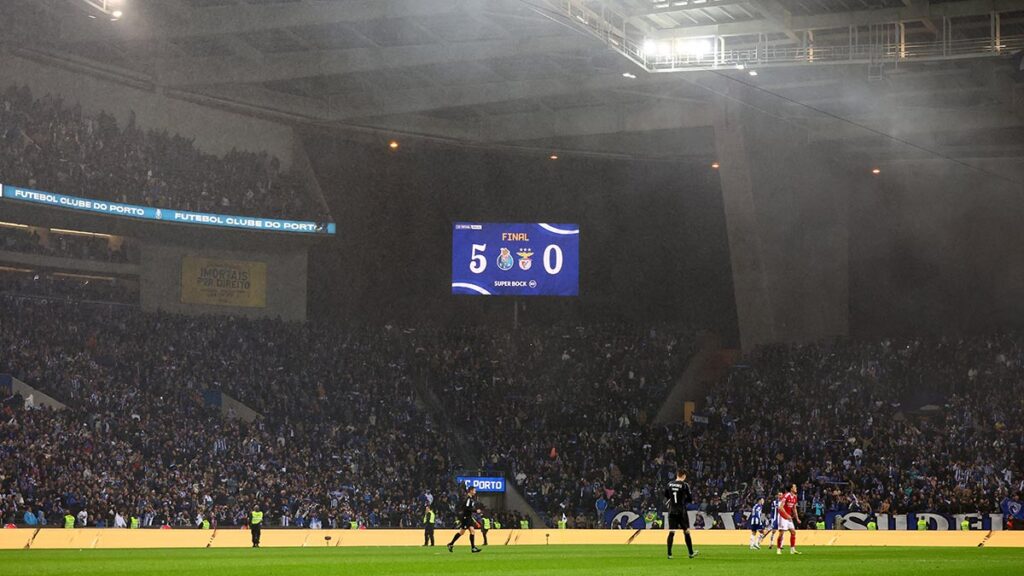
[256,525]
[69,521]
[922,524]
[429,518]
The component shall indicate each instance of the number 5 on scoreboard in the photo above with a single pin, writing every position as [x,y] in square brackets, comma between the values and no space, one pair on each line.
[478,263]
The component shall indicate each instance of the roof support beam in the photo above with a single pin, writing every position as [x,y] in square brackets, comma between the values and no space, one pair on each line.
[292,65]
[672,9]
[778,15]
[610,119]
[586,121]
[916,12]
[928,22]
[424,100]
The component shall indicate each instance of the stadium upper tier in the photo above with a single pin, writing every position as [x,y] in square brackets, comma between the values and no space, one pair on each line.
[48,144]
[563,411]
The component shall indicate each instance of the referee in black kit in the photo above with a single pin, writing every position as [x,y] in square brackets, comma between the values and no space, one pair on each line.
[678,495]
[466,520]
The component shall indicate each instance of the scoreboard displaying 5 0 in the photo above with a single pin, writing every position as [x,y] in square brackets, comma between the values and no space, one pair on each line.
[515,259]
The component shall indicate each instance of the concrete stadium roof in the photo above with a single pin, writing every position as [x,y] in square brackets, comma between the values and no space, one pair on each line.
[528,72]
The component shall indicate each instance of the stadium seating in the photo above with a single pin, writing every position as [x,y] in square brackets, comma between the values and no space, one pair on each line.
[48,144]
[889,426]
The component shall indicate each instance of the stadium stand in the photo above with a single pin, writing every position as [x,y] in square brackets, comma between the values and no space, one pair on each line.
[78,246]
[889,426]
[561,407]
[339,420]
[884,427]
[48,144]
[68,287]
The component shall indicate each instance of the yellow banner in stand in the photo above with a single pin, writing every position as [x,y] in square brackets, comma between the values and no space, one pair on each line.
[219,282]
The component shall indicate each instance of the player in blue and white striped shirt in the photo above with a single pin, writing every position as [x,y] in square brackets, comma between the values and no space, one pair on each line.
[756,523]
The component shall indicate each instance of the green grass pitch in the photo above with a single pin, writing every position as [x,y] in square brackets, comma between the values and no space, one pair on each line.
[507,560]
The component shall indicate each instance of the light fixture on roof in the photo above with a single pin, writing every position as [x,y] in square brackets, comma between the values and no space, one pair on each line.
[629,75]
[740,66]
[715,165]
[684,47]
[876,171]
[393,144]
[753,72]
[553,157]
[112,9]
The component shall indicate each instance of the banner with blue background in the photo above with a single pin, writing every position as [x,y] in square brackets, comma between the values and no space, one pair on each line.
[482,484]
[8,192]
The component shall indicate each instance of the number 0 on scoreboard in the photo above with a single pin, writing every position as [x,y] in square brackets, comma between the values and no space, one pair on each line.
[515,259]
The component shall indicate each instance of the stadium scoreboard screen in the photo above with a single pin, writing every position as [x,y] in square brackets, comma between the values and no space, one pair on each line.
[515,259]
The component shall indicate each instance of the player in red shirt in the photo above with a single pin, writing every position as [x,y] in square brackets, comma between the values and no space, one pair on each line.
[788,519]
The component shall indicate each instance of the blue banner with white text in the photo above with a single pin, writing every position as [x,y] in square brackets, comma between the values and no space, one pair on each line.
[482,484]
[9,192]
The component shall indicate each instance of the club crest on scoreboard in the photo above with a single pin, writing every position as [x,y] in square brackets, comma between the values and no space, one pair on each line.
[505,260]
[525,259]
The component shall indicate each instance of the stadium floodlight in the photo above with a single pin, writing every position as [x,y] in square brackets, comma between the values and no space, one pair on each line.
[110,8]
[679,47]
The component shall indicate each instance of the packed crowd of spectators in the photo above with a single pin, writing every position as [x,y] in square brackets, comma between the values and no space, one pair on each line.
[560,409]
[341,439]
[565,412]
[77,246]
[883,427]
[68,287]
[48,144]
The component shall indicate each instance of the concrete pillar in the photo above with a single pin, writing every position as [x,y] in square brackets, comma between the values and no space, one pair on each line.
[786,215]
